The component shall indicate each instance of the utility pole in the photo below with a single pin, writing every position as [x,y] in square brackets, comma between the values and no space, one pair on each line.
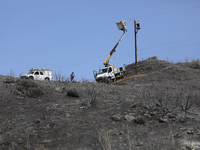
[136,28]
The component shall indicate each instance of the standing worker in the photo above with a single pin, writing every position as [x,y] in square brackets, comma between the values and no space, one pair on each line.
[72,76]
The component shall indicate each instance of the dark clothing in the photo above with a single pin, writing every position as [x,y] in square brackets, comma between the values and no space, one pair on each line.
[72,76]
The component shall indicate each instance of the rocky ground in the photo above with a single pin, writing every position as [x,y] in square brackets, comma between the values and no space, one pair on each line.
[159,111]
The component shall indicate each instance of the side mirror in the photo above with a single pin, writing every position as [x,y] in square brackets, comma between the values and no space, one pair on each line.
[94,73]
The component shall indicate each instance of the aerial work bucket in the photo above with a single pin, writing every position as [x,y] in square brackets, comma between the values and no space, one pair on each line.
[121,25]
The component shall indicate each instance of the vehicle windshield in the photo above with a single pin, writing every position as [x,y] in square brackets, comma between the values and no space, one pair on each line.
[31,72]
[103,70]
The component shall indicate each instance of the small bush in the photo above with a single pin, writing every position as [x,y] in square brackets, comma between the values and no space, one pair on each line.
[189,101]
[59,77]
[195,64]
[11,74]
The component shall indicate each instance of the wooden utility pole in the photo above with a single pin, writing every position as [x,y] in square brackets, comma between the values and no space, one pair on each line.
[136,28]
[135,47]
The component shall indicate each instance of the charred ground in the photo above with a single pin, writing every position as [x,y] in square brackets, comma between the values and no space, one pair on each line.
[158,111]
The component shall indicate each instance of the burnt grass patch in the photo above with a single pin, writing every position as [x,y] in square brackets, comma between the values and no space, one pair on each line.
[158,111]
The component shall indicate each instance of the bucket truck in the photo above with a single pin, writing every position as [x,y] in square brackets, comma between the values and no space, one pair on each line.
[109,73]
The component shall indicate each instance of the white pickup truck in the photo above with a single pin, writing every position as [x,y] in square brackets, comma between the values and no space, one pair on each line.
[38,74]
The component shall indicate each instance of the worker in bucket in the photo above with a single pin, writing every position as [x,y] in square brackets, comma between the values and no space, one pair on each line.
[72,76]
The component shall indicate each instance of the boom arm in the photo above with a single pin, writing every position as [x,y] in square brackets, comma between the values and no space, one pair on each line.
[113,50]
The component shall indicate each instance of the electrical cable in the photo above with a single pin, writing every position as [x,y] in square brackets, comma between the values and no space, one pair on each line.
[167,12]
[131,55]
[169,43]
[125,52]
[70,63]
[55,43]
[94,31]
[140,49]
[170,48]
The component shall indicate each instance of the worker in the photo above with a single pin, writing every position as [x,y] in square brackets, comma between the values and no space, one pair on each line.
[72,76]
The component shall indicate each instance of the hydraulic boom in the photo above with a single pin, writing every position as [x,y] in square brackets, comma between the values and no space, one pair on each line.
[106,62]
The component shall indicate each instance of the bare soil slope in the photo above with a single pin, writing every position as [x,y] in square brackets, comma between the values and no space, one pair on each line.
[153,112]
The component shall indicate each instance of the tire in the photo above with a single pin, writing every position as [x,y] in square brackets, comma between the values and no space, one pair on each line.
[47,79]
[30,78]
[109,80]
[23,77]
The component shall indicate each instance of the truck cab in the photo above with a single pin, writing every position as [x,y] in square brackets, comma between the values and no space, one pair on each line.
[105,74]
[109,74]
[36,75]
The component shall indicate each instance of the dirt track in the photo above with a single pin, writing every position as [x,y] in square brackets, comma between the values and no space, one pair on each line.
[148,112]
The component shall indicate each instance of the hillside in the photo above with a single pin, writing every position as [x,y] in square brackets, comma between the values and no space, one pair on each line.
[158,111]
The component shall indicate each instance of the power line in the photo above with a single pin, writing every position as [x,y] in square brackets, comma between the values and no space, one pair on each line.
[169,43]
[170,48]
[103,56]
[94,31]
[89,62]
[148,52]
[159,45]
[70,63]
[130,55]
[55,43]
[162,13]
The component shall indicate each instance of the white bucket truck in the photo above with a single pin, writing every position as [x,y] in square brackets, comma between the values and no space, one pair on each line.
[109,73]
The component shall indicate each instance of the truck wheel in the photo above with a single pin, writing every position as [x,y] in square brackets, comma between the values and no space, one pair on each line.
[109,80]
[31,78]
[47,79]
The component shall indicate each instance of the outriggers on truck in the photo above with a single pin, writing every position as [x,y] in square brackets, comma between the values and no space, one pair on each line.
[109,73]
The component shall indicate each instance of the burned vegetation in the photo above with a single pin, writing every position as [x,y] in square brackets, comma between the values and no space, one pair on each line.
[160,110]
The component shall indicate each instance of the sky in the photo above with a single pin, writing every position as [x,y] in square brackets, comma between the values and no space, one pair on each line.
[67,35]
